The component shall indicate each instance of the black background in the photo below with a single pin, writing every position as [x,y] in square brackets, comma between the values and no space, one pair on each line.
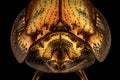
[10,68]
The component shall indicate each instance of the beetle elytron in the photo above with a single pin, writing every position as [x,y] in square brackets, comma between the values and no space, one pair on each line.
[60,36]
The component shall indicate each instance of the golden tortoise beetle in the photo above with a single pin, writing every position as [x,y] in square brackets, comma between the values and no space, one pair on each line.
[60,36]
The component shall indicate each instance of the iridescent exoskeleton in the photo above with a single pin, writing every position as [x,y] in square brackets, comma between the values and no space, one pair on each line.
[60,36]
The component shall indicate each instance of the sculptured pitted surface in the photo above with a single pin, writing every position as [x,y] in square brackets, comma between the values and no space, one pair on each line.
[60,36]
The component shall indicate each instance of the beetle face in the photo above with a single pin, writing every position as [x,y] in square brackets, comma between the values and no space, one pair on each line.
[60,35]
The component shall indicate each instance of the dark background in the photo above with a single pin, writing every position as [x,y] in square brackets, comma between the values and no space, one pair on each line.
[10,68]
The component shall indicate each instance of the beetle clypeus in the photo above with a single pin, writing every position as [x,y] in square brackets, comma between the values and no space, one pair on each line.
[60,36]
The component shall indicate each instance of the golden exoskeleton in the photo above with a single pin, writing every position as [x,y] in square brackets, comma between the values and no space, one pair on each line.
[60,36]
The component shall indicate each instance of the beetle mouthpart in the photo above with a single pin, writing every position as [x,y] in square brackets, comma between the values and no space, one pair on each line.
[58,65]
[59,60]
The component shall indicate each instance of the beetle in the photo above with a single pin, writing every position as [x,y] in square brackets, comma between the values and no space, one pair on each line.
[60,36]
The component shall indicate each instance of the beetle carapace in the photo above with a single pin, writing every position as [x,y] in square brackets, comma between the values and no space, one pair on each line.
[60,36]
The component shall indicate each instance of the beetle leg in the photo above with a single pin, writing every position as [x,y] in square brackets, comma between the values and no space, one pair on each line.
[37,75]
[82,74]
